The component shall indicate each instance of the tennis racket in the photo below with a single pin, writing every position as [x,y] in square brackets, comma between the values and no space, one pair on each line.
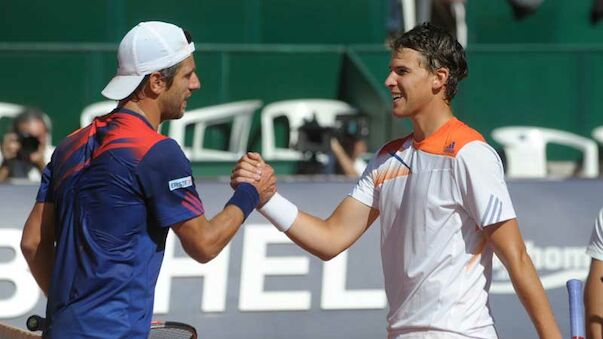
[172,330]
[159,329]
[36,323]
[576,308]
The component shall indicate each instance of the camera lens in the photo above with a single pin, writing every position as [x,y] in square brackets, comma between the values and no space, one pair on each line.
[29,144]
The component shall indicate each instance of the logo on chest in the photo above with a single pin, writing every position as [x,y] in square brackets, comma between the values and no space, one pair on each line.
[450,148]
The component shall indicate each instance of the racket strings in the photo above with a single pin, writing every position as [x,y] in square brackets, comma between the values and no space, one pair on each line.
[171,333]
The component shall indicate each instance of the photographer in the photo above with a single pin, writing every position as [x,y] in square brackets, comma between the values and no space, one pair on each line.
[344,144]
[348,146]
[24,146]
[348,156]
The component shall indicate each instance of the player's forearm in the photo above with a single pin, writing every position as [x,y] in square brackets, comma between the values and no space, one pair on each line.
[37,243]
[323,238]
[204,239]
[313,234]
[214,235]
[224,226]
[41,263]
[316,236]
[39,256]
[310,233]
[530,291]
[593,301]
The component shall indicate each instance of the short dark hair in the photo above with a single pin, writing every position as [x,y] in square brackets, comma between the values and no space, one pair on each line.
[29,114]
[167,73]
[440,49]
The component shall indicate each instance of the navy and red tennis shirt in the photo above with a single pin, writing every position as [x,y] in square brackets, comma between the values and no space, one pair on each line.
[117,185]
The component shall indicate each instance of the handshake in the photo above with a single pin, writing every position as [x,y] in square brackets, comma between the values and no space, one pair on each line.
[252,170]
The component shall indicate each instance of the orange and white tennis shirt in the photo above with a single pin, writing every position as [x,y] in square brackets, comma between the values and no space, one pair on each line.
[595,247]
[434,198]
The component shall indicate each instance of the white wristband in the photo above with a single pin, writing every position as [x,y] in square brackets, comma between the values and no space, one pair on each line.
[280,212]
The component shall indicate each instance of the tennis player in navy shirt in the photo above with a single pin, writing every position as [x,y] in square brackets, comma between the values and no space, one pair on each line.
[95,238]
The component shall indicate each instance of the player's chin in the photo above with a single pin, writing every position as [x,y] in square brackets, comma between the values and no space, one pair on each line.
[176,116]
[402,111]
[399,113]
[179,113]
[398,107]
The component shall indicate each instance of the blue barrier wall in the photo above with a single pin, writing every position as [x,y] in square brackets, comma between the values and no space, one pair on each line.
[263,286]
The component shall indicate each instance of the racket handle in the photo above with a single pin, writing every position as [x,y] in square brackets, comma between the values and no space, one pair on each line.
[36,323]
[574,290]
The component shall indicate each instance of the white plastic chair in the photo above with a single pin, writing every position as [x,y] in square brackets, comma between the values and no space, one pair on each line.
[96,109]
[8,110]
[598,134]
[240,113]
[296,111]
[525,149]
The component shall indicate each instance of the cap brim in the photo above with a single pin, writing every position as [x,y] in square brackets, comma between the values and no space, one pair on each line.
[121,86]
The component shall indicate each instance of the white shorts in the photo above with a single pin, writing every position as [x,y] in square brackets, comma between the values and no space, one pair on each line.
[430,334]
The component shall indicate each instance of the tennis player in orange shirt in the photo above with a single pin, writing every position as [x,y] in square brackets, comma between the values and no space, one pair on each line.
[442,200]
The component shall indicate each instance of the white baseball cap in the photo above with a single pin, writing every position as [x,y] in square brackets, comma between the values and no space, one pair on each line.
[148,47]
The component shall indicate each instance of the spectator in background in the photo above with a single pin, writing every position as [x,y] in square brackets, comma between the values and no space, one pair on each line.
[523,8]
[348,147]
[343,145]
[395,21]
[593,292]
[596,12]
[24,147]
[449,14]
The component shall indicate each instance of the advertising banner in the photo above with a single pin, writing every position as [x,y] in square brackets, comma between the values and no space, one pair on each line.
[264,286]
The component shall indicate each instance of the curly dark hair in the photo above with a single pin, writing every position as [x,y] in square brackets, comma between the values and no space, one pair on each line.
[440,49]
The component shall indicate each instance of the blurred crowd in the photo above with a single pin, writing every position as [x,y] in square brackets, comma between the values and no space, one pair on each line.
[26,146]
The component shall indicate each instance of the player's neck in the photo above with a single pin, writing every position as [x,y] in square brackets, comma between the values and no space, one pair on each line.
[146,110]
[429,121]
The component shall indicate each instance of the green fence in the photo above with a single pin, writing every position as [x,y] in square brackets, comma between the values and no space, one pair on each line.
[550,86]
[62,79]
[544,70]
[210,21]
[541,85]
[281,21]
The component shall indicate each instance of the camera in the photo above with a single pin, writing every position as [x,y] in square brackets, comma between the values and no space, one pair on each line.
[351,127]
[314,138]
[314,141]
[29,144]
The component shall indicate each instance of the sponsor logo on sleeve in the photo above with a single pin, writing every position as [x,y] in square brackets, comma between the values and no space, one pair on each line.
[181,183]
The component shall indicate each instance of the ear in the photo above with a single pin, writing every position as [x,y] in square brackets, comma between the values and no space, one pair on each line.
[440,78]
[156,83]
